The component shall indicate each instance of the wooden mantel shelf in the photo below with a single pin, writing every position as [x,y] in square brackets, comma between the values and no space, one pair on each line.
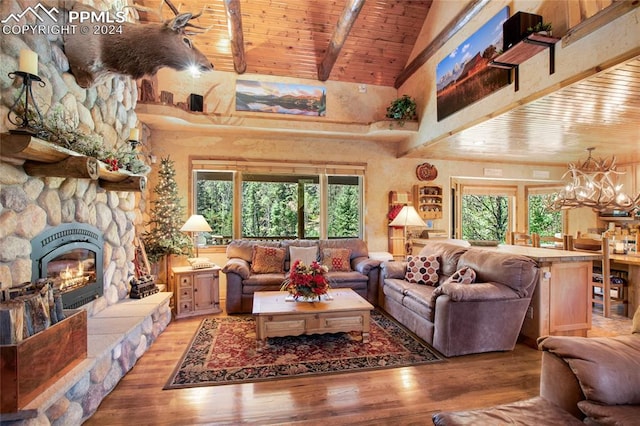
[525,49]
[42,158]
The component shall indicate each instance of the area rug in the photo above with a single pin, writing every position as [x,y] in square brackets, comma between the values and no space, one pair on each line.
[223,351]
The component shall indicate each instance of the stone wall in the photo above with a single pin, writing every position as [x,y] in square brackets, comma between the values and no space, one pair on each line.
[28,205]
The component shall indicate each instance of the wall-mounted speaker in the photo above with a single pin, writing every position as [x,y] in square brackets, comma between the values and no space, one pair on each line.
[514,29]
[196,102]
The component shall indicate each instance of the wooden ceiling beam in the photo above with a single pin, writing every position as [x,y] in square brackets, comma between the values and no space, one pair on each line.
[234,21]
[449,31]
[343,27]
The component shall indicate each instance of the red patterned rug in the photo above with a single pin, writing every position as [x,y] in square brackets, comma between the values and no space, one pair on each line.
[223,351]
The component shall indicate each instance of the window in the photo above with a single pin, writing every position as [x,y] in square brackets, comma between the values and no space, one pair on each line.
[213,195]
[540,220]
[280,206]
[486,212]
[344,206]
[278,200]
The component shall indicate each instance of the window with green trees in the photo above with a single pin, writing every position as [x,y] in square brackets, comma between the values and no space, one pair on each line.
[213,200]
[280,206]
[542,221]
[344,206]
[485,217]
[277,205]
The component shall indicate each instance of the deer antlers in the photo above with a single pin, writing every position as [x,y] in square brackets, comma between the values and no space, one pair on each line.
[176,12]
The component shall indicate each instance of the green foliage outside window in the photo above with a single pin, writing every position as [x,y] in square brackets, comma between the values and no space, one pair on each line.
[279,206]
[344,214]
[542,221]
[485,217]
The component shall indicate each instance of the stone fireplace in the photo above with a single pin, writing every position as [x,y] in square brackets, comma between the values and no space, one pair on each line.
[72,256]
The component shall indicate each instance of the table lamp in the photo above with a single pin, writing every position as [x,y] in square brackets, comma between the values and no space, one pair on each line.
[195,224]
[408,216]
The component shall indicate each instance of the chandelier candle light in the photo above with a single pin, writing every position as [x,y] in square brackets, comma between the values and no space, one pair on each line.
[593,184]
[195,224]
[408,216]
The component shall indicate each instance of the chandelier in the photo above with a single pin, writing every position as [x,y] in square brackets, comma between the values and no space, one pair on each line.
[592,184]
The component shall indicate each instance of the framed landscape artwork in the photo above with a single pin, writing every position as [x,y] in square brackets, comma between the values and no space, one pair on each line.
[464,76]
[281,98]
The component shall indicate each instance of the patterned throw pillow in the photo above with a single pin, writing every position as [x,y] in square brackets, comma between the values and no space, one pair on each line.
[337,259]
[267,260]
[422,270]
[464,275]
[306,254]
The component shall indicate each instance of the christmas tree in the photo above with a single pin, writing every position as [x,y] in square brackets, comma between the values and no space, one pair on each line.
[167,217]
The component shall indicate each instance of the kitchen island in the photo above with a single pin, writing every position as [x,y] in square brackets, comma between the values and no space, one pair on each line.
[561,302]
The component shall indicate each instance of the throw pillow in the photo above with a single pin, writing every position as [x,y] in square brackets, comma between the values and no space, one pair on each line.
[464,275]
[267,260]
[422,270]
[337,259]
[306,254]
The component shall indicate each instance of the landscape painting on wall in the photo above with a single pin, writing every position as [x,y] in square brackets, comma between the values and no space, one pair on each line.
[464,76]
[281,98]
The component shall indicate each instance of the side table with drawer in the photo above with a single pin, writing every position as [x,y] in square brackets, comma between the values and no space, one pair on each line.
[196,291]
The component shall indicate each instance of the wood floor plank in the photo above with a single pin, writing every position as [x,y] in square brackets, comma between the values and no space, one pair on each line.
[408,395]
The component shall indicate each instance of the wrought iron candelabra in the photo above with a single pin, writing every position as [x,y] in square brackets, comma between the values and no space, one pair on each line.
[25,122]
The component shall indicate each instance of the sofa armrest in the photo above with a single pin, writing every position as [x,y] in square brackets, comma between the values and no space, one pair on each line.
[393,270]
[237,266]
[364,264]
[475,292]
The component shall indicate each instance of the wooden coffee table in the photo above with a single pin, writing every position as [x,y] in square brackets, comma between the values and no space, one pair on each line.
[276,317]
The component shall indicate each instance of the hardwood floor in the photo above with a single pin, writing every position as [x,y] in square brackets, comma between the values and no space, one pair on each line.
[398,396]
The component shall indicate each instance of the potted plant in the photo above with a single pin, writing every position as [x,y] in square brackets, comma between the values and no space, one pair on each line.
[402,109]
[543,28]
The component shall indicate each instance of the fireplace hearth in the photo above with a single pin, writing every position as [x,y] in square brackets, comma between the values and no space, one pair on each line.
[70,255]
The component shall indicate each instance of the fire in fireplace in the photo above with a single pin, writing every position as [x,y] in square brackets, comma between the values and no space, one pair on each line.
[71,256]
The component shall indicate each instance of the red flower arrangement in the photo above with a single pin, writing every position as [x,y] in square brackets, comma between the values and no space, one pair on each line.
[305,281]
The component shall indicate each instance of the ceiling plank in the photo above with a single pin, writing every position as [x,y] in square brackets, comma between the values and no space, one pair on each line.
[449,31]
[234,19]
[348,17]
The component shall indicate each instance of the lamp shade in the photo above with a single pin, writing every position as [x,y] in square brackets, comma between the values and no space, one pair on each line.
[408,216]
[196,223]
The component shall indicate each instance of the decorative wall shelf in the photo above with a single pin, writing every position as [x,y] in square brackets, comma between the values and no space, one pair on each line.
[427,199]
[527,48]
[42,158]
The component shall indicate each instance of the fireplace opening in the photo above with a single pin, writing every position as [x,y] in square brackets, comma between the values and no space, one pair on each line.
[71,256]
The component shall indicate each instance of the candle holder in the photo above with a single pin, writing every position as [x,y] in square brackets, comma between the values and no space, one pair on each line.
[25,124]
[134,144]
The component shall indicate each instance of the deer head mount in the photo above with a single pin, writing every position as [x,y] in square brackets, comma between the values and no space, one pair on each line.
[136,50]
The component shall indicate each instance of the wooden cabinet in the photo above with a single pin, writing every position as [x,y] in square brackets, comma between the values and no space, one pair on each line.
[196,290]
[427,199]
[561,302]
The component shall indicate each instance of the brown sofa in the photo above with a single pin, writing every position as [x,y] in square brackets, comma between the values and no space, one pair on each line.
[242,283]
[459,319]
[594,381]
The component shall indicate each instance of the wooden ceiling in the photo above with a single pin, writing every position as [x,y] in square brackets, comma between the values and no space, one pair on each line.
[602,111]
[291,37]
